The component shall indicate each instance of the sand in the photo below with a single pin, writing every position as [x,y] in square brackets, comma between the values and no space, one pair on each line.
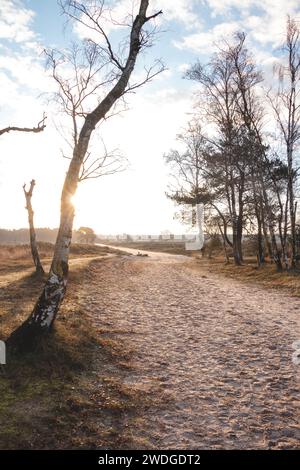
[213,353]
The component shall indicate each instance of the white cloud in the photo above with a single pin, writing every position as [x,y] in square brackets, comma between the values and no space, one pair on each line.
[268,29]
[264,23]
[122,12]
[26,71]
[15,21]
[182,11]
[221,7]
[183,67]
[204,42]
[263,20]
[269,6]
[22,71]
[8,89]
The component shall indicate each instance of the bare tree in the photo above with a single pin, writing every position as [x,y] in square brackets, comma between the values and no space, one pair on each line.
[193,180]
[250,110]
[33,245]
[119,70]
[218,99]
[240,170]
[39,128]
[187,168]
[286,106]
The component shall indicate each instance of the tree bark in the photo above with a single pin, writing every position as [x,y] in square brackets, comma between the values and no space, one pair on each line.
[235,231]
[33,245]
[240,219]
[260,244]
[236,243]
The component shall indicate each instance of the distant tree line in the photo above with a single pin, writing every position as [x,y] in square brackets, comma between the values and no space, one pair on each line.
[21,236]
[240,153]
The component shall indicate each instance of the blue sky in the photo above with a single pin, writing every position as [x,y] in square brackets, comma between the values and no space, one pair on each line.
[133,201]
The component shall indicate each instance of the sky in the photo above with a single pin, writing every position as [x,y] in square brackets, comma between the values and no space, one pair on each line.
[133,201]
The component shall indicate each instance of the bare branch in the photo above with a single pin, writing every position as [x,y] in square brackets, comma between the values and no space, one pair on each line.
[39,128]
[109,163]
[157,68]
[30,191]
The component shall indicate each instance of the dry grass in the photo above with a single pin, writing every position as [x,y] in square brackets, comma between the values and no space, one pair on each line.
[66,394]
[266,275]
[22,252]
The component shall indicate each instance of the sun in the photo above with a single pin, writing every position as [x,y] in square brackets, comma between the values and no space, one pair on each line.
[75,200]
[85,209]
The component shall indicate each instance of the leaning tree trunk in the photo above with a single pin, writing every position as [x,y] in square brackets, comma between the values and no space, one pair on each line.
[33,245]
[43,315]
[273,245]
[275,250]
[267,213]
[224,244]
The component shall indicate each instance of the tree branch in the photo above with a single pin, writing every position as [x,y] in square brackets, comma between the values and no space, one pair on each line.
[40,127]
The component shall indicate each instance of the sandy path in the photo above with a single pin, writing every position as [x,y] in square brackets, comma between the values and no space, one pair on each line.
[216,351]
